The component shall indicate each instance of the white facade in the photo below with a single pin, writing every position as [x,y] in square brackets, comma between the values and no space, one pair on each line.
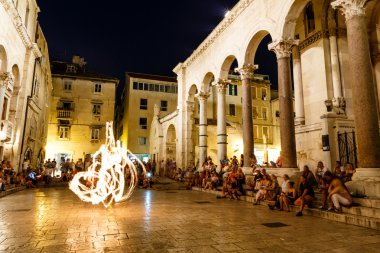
[330,62]
[18,55]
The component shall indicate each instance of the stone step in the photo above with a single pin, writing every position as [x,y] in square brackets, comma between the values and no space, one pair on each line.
[11,191]
[358,220]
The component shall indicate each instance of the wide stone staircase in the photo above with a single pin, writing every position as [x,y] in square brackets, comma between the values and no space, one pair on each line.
[365,212]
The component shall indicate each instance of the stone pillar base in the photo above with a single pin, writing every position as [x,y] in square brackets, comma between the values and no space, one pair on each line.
[247,170]
[293,173]
[366,181]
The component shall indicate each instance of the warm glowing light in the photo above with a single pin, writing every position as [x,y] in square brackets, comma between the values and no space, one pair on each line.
[106,180]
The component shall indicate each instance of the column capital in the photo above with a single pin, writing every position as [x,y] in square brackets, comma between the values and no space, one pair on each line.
[203,95]
[350,8]
[282,47]
[222,85]
[6,79]
[246,72]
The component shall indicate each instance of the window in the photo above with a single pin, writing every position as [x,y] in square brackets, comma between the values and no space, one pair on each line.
[157,87]
[254,112]
[67,85]
[142,141]
[164,106]
[98,88]
[266,132]
[254,92]
[135,86]
[232,110]
[26,20]
[143,123]
[264,112]
[256,132]
[232,90]
[95,134]
[63,133]
[146,86]
[151,87]
[36,87]
[309,18]
[162,88]
[141,86]
[263,93]
[71,68]
[96,109]
[143,104]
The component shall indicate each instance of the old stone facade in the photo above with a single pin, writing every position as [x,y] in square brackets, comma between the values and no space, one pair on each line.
[25,83]
[82,103]
[143,94]
[333,46]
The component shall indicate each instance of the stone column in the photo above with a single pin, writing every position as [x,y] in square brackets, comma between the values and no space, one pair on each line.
[283,50]
[222,126]
[366,117]
[202,97]
[298,87]
[246,73]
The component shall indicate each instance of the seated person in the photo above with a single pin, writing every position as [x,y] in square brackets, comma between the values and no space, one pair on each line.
[214,181]
[233,186]
[338,193]
[306,193]
[319,171]
[324,186]
[262,189]
[287,198]
[349,172]
[338,172]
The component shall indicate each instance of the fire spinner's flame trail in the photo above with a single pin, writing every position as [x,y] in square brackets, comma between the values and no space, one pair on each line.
[113,179]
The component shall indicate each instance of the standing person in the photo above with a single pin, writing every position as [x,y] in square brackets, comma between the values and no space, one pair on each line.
[154,168]
[338,193]
[306,193]
[241,160]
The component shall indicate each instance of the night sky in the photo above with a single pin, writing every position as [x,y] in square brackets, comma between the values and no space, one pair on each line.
[138,36]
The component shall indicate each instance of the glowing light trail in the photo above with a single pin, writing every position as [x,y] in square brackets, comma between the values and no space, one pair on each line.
[112,177]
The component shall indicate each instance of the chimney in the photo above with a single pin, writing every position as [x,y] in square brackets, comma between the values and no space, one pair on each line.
[79,61]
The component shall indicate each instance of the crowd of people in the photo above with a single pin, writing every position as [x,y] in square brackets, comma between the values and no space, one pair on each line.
[232,183]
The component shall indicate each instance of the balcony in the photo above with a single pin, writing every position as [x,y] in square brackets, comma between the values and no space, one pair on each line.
[64,114]
[6,130]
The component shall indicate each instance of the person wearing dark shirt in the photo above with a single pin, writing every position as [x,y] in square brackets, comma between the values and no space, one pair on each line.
[306,194]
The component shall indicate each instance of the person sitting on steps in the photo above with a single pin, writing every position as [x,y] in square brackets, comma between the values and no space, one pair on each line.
[338,193]
[306,193]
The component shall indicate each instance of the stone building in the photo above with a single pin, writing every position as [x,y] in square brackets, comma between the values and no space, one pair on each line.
[143,94]
[38,107]
[23,64]
[333,46]
[265,113]
[82,103]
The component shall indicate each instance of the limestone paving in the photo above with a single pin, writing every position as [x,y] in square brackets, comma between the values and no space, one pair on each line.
[55,220]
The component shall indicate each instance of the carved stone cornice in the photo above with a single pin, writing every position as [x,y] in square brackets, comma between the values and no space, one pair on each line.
[227,21]
[283,47]
[246,72]
[203,96]
[222,85]
[350,8]
[20,27]
[311,40]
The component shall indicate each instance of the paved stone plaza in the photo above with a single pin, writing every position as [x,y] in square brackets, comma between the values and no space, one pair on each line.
[54,220]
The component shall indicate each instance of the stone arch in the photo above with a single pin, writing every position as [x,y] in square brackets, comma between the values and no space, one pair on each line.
[171,143]
[251,49]
[207,81]
[193,90]
[226,66]
[3,60]
[288,26]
